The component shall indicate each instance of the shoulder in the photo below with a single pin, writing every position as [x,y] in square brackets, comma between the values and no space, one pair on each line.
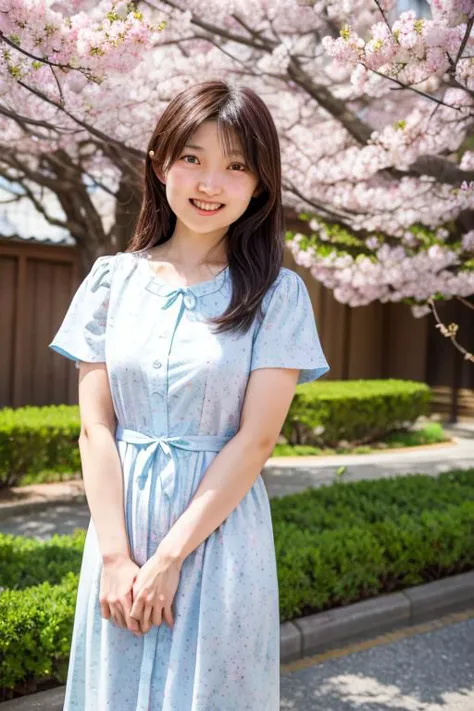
[102,269]
[287,295]
[105,262]
[290,277]
[118,260]
[118,267]
[286,284]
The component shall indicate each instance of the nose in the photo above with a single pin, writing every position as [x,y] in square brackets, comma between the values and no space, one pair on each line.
[209,187]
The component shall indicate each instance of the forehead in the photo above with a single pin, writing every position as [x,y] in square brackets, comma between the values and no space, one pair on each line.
[207,137]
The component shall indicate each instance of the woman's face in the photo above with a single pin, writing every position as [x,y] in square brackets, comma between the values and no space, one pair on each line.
[202,172]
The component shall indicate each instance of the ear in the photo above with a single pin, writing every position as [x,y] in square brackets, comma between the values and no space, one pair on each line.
[160,175]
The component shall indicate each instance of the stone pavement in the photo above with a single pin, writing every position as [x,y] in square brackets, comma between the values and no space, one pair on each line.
[43,523]
[428,668]
[282,476]
[285,475]
[410,670]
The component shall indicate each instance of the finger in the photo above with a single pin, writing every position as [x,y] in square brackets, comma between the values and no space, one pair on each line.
[168,615]
[156,617]
[117,616]
[132,624]
[137,608]
[146,618]
[123,605]
[105,610]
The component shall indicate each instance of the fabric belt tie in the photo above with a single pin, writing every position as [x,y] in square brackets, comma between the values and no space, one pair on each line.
[151,444]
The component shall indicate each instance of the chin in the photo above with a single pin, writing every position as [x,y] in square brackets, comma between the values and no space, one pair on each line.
[198,228]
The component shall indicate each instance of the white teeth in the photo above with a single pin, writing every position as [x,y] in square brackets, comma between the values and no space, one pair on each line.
[206,205]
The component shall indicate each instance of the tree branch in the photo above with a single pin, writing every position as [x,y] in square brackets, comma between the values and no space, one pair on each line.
[86,126]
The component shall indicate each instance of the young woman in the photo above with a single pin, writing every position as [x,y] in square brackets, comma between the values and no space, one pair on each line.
[189,346]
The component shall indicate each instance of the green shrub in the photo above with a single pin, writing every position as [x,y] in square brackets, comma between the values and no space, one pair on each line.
[35,632]
[356,411]
[321,570]
[334,545]
[358,503]
[36,438]
[26,561]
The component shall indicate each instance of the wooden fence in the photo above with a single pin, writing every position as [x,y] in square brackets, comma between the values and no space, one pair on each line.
[37,282]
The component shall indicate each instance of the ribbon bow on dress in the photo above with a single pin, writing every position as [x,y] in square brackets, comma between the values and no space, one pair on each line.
[149,445]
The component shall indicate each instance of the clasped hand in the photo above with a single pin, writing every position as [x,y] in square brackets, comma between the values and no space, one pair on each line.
[136,598]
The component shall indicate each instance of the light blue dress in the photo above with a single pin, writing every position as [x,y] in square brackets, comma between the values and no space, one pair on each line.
[178,391]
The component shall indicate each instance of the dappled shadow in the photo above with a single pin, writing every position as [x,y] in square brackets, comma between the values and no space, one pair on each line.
[284,480]
[433,671]
[43,523]
[13,494]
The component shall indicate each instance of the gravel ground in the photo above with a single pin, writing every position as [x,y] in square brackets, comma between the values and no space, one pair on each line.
[432,671]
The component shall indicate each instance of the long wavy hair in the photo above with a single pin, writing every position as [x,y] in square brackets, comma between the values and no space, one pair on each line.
[254,243]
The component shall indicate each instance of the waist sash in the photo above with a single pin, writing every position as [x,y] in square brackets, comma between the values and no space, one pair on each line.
[149,444]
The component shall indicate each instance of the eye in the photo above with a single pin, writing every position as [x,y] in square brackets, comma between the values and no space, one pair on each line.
[242,165]
[188,156]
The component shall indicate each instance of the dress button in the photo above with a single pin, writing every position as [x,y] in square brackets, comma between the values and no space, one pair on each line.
[157,363]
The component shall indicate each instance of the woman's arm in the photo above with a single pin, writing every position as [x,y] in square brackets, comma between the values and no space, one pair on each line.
[101,466]
[103,482]
[234,470]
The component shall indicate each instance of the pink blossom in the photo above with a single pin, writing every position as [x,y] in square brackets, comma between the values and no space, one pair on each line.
[120,76]
[468,241]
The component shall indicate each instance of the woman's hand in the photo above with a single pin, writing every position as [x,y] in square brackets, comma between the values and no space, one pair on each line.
[115,597]
[154,590]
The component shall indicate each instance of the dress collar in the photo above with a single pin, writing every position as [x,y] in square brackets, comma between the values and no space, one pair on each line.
[160,287]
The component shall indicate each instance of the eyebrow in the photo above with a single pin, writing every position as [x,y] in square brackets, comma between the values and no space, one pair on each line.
[234,152]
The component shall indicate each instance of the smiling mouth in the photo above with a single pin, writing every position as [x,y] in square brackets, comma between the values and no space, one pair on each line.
[206,209]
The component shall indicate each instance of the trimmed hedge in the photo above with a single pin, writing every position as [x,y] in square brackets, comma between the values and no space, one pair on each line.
[35,634]
[26,561]
[35,439]
[335,545]
[346,504]
[318,571]
[354,411]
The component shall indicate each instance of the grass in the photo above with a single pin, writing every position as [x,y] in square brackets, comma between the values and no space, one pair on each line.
[48,476]
[431,433]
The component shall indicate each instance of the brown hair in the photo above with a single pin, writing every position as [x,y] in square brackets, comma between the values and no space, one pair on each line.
[255,242]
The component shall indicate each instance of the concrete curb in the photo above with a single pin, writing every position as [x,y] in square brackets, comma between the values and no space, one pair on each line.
[370,618]
[52,700]
[323,631]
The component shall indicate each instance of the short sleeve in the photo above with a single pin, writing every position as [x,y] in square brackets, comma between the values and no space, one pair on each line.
[81,336]
[287,337]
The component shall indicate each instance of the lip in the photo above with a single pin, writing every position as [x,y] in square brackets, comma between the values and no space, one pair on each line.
[205,212]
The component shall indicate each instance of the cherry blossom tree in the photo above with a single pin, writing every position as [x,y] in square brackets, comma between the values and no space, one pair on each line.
[374,110]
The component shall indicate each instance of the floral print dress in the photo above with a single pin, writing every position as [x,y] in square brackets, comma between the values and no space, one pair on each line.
[178,391]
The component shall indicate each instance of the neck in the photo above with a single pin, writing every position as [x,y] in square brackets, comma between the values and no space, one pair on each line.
[190,251]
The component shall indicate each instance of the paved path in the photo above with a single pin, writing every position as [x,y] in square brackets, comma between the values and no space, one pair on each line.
[61,518]
[431,671]
[282,476]
[411,670]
